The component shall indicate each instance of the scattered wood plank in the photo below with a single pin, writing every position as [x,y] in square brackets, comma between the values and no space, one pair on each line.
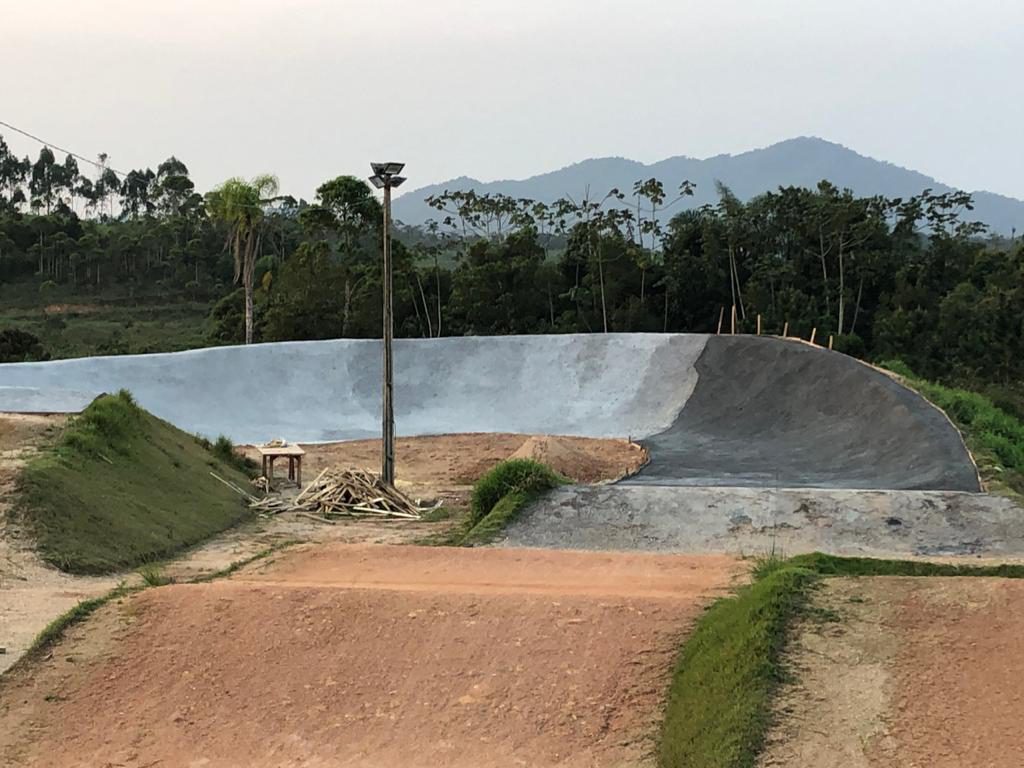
[343,493]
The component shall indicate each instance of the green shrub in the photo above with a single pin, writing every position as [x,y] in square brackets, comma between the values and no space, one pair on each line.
[513,476]
[153,575]
[849,344]
[18,346]
[898,367]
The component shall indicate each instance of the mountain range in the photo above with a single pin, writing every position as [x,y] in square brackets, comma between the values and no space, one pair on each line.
[800,162]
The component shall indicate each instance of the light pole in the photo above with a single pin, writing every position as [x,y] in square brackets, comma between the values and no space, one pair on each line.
[385,176]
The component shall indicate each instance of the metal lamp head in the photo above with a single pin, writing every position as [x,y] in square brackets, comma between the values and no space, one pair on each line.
[385,175]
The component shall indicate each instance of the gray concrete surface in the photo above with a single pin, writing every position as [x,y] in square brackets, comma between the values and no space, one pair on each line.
[590,385]
[770,413]
[718,414]
[754,521]
[50,400]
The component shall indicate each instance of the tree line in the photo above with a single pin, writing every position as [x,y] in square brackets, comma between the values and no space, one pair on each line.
[913,278]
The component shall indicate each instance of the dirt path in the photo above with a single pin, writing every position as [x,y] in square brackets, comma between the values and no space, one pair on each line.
[31,593]
[377,656]
[917,672]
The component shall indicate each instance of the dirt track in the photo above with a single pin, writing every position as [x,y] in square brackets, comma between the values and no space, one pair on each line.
[31,594]
[918,672]
[379,656]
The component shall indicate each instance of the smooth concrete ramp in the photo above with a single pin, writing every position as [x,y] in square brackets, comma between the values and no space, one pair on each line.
[773,413]
[588,385]
[714,411]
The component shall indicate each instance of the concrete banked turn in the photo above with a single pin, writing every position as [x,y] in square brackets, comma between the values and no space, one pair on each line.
[734,411]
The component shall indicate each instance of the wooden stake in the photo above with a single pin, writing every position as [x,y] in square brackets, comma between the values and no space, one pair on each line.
[721,315]
[814,332]
[734,319]
[759,325]
[785,330]
[830,341]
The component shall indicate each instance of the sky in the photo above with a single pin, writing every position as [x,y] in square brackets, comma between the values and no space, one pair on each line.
[310,89]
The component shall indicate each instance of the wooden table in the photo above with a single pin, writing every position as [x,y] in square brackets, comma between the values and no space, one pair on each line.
[294,455]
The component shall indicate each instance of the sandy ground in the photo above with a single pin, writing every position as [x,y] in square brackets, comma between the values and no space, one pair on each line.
[32,594]
[373,656]
[444,467]
[916,672]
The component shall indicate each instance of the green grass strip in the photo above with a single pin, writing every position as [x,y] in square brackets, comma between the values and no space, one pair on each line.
[832,565]
[719,701]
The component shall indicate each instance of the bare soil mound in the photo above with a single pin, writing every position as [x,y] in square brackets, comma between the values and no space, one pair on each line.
[377,656]
[585,460]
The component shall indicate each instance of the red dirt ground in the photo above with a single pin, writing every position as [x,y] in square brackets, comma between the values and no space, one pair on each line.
[958,699]
[383,656]
[916,673]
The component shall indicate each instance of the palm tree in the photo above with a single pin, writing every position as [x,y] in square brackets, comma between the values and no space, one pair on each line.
[239,204]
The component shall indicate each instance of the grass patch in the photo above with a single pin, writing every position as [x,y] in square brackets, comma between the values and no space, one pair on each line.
[994,436]
[500,495]
[224,449]
[153,576]
[122,488]
[109,326]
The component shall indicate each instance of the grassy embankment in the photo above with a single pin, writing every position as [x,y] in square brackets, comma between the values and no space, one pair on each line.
[994,437]
[121,487]
[720,696]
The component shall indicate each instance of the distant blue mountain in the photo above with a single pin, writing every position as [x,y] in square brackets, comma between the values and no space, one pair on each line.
[797,162]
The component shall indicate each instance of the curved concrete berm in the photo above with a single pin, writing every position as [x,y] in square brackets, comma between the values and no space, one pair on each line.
[773,413]
[590,385]
[723,410]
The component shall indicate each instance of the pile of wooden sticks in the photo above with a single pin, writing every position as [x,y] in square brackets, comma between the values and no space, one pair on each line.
[344,493]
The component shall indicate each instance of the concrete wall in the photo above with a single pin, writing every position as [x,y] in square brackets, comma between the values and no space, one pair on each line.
[590,385]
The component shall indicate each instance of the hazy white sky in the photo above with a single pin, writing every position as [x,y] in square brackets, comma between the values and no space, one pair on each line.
[309,89]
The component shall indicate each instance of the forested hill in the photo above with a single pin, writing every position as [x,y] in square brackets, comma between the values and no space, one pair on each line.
[801,162]
[97,262]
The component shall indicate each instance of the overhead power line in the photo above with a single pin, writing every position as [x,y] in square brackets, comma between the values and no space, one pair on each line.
[75,155]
